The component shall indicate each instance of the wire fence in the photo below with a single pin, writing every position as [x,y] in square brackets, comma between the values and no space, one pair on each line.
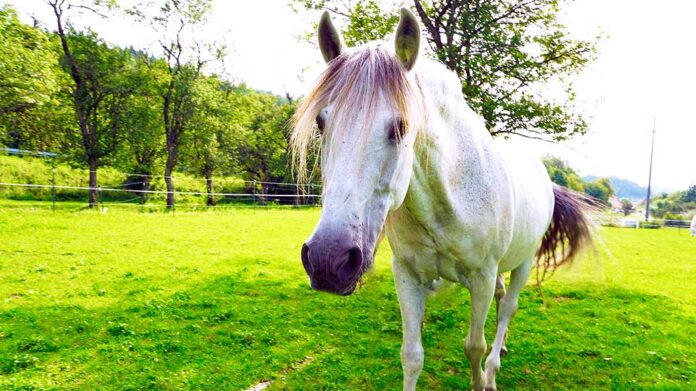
[634,222]
[256,194]
[58,182]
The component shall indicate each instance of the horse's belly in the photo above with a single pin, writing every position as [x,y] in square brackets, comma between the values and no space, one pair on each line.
[532,212]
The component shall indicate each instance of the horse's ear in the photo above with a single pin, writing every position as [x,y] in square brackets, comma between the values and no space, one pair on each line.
[329,38]
[407,39]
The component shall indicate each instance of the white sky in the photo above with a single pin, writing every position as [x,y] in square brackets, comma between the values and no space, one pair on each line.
[645,70]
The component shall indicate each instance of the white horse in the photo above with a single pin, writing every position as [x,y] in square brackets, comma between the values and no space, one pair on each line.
[401,152]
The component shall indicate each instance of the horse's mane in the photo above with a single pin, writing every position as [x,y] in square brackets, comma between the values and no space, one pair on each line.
[353,82]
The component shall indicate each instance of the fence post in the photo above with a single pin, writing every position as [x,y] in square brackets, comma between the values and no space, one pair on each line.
[298,198]
[253,191]
[99,198]
[53,183]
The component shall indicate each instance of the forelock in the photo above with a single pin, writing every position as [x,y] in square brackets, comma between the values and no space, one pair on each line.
[353,81]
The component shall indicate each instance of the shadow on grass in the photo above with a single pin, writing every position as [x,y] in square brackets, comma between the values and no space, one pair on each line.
[235,331]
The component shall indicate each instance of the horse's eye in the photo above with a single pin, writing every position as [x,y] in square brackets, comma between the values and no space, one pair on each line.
[320,123]
[397,130]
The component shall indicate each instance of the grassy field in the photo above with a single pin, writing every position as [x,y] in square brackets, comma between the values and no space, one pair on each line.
[219,300]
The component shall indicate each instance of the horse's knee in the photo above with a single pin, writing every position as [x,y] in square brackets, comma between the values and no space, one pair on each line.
[412,357]
[475,348]
[508,306]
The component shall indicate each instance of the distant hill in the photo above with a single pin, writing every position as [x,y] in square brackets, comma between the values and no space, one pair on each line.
[624,188]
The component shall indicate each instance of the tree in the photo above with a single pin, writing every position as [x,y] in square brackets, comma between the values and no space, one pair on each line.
[626,206]
[690,194]
[262,150]
[600,189]
[27,65]
[98,92]
[503,51]
[211,125]
[32,108]
[176,21]
[562,174]
[144,147]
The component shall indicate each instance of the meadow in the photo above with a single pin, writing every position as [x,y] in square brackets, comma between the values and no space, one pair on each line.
[127,300]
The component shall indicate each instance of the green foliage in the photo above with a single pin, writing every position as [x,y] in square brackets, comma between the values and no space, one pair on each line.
[672,216]
[173,298]
[674,206]
[503,52]
[24,170]
[262,150]
[690,194]
[562,174]
[600,189]
[368,22]
[626,206]
[650,224]
[135,112]
[32,108]
[27,65]
[110,80]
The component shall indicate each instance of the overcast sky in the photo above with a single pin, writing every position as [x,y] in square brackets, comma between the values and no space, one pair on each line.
[645,70]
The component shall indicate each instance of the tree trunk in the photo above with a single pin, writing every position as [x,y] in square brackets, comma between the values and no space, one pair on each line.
[92,182]
[209,187]
[168,169]
[146,188]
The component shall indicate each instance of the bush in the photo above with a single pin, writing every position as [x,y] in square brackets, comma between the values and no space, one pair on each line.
[650,224]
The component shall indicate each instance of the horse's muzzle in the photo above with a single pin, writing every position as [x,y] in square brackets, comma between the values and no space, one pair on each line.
[335,267]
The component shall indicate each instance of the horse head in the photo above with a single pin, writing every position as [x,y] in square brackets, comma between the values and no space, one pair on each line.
[366,111]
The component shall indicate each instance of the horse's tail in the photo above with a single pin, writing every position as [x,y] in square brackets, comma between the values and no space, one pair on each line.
[568,234]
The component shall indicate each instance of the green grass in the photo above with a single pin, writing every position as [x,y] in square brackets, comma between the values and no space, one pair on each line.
[219,300]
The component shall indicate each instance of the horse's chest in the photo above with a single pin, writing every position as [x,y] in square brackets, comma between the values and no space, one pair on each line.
[445,252]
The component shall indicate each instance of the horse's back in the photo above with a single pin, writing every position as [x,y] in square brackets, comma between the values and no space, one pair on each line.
[533,203]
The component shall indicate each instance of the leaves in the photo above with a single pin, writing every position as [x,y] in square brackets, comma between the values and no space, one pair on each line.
[506,54]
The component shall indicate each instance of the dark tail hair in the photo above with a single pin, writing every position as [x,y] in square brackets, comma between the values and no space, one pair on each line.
[568,234]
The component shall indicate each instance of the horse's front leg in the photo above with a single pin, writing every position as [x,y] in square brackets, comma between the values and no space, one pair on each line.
[482,287]
[411,300]
[507,306]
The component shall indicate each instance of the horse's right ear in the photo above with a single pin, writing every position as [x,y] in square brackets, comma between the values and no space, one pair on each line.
[329,38]
[407,39]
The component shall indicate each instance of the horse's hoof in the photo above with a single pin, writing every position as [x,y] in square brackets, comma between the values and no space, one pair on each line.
[503,351]
[490,388]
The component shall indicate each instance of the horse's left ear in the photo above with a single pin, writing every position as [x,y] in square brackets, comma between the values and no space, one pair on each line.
[407,39]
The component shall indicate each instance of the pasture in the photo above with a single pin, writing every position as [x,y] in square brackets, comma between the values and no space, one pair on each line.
[219,299]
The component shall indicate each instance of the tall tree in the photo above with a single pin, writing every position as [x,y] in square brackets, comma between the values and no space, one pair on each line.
[262,151]
[626,206]
[600,189]
[99,94]
[32,107]
[144,148]
[211,126]
[27,65]
[176,21]
[504,52]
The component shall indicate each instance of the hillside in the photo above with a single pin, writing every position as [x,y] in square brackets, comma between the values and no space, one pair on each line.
[624,188]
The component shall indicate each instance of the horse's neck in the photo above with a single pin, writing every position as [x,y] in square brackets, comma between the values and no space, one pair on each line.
[454,150]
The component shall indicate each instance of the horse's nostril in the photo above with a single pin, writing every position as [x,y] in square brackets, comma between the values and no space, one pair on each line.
[305,260]
[352,265]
